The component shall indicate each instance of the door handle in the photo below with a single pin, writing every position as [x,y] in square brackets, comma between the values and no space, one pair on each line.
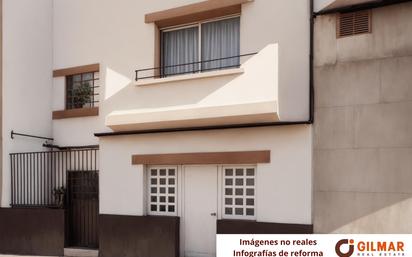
[213,214]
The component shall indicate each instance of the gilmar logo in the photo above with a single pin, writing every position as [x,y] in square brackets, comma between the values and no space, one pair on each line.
[344,242]
[370,248]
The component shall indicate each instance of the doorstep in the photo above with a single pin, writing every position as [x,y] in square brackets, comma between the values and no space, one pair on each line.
[80,252]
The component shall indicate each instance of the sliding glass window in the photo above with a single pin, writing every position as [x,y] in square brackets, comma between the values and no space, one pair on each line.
[197,48]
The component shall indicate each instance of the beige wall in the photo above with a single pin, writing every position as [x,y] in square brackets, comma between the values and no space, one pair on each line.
[283,191]
[1,97]
[363,126]
[115,35]
[27,79]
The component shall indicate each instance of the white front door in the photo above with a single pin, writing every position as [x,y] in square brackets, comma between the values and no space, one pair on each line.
[200,208]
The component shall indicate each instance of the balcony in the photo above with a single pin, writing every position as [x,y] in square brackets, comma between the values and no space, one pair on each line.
[228,95]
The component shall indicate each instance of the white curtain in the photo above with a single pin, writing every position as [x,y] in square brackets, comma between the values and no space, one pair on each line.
[180,47]
[220,39]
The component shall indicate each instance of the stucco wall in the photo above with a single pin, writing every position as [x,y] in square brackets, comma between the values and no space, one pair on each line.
[284,190]
[27,82]
[1,99]
[363,124]
[114,34]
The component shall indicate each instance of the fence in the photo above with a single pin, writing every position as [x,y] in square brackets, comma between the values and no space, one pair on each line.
[39,179]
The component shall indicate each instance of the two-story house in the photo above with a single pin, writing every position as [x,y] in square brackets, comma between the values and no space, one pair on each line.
[162,123]
[145,128]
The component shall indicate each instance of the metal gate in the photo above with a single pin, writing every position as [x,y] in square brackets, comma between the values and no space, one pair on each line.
[83,208]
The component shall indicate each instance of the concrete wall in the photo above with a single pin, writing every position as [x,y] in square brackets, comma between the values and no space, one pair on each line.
[363,124]
[284,188]
[115,35]
[32,231]
[27,80]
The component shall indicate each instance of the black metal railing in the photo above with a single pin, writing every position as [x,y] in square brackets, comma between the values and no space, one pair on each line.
[39,179]
[192,67]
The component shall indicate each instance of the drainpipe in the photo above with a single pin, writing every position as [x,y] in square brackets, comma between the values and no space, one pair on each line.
[310,120]
[311,67]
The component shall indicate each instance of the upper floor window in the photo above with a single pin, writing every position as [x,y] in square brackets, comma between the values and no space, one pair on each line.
[81,90]
[203,46]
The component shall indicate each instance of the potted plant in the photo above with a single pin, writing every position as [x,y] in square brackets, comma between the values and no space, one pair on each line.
[82,95]
[59,194]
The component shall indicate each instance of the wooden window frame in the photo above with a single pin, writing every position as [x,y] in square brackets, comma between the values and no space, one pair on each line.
[224,158]
[75,112]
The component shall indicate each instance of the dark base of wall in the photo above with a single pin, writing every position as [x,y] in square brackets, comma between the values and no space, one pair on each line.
[138,236]
[32,231]
[253,227]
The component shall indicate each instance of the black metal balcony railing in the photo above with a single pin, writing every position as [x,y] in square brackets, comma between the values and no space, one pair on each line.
[192,67]
[39,179]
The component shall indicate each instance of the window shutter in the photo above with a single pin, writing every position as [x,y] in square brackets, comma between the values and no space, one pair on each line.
[354,23]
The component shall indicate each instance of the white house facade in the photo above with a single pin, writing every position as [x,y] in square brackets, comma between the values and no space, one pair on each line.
[183,113]
[145,128]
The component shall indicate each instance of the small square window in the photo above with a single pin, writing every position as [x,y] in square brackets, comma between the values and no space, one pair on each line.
[228,211]
[228,201]
[228,182]
[171,172]
[250,201]
[228,172]
[81,91]
[250,191]
[250,172]
[250,212]
[239,172]
[239,211]
[228,191]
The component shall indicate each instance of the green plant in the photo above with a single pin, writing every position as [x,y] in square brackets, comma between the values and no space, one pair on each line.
[82,95]
[59,194]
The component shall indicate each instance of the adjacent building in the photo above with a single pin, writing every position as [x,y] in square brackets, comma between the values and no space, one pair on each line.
[362,130]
